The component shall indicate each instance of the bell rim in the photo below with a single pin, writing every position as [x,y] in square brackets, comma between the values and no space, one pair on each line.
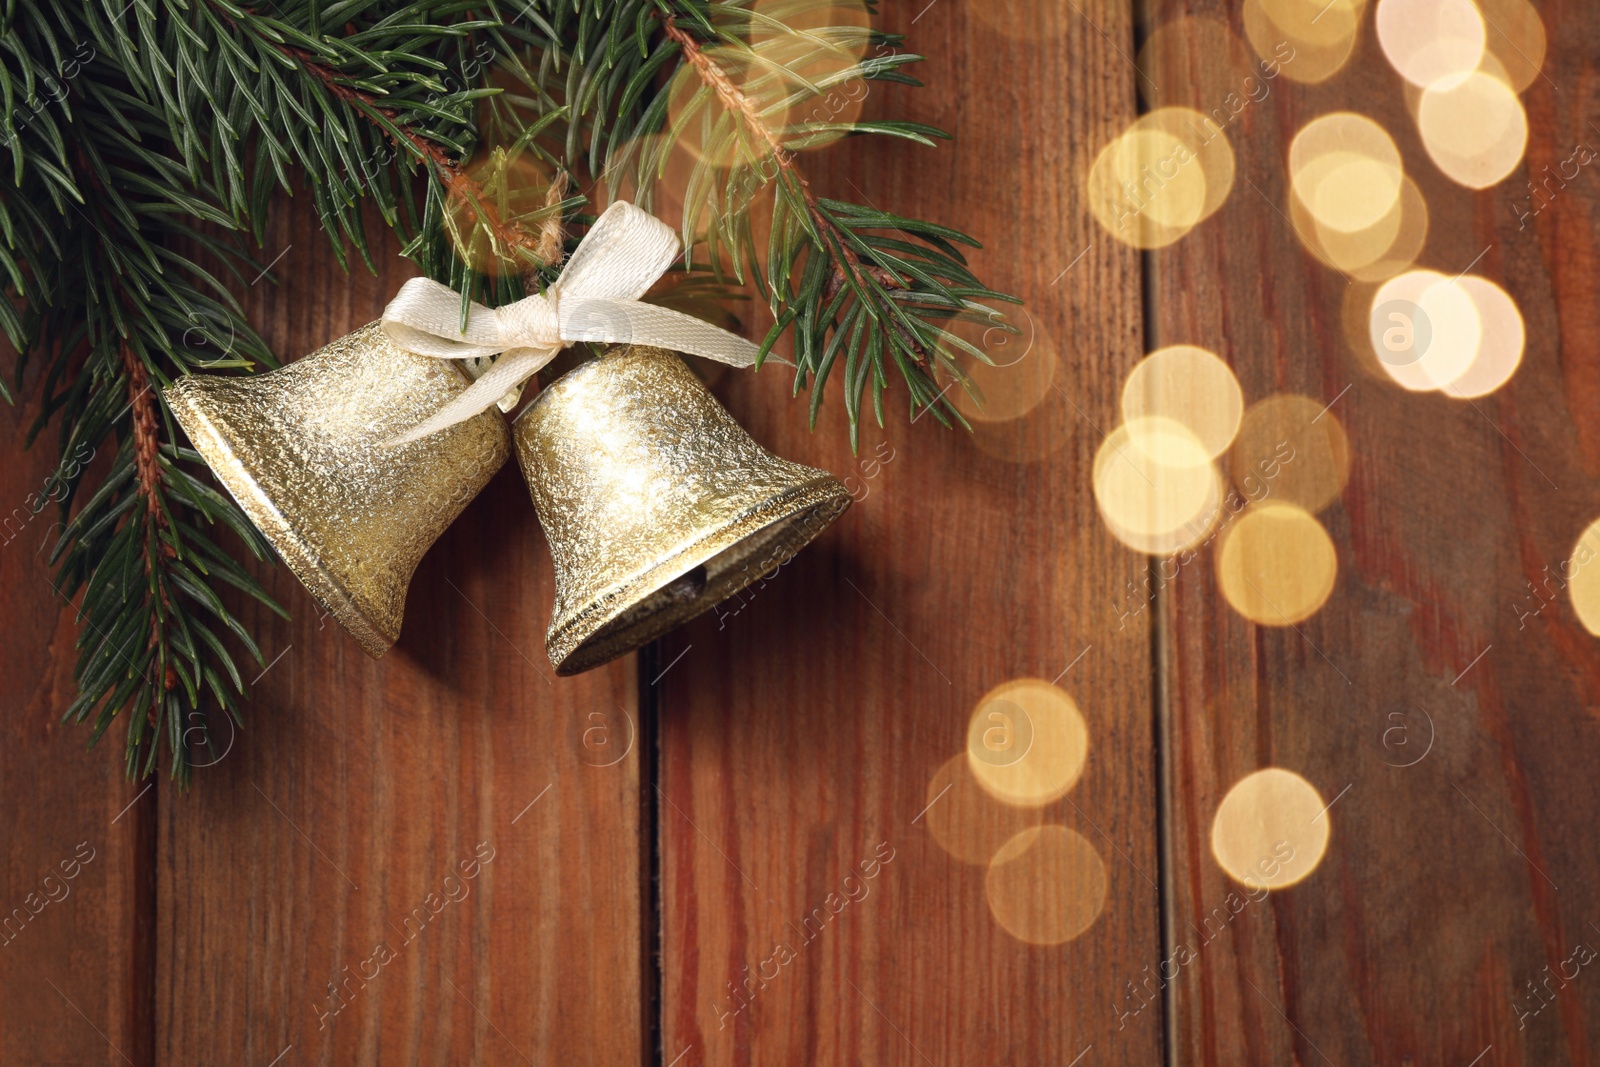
[566,640]
[221,455]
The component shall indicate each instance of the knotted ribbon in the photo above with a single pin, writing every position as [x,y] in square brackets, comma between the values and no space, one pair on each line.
[595,299]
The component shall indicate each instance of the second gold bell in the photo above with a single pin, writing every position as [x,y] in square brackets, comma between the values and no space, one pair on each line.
[655,502]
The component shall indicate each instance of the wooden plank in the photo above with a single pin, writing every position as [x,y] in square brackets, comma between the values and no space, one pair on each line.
[75,879]
[800,731]
[430,836]
[1454,735]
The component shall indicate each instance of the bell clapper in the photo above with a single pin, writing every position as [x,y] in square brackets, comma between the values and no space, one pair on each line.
[687,586]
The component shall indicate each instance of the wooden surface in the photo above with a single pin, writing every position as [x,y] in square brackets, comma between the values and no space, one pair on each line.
[660,827]
[335,853]
[801,732]
[1453,878]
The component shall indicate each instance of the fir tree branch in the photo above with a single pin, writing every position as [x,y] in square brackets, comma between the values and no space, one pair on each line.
[858,286]
[147,143]
[846,263]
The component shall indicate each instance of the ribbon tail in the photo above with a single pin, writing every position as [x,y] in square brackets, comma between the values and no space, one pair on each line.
[510,370]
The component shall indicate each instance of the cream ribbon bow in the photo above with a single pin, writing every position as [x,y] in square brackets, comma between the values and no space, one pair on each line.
[595,299]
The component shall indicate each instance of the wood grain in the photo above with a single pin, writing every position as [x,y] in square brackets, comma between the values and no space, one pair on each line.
[800,731]
[331,847]
[1452,880]
[76,887]
[774,753]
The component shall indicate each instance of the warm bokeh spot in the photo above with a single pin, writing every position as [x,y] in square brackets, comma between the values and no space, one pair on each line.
[1425,329]
[965,820]
[1017,409]
[1427,41]
[1311,39]
[1271,830]
[1291,448]
[1502,338]
[820,46]
[1377,252]
[496,230]
[1162,177]
[1155,485]
[1346,172]
[1188,385]
[1582,571]
[1276,565]
[1474,128]
[1047,886]
[1019,372]
[1027,742]
[699,124]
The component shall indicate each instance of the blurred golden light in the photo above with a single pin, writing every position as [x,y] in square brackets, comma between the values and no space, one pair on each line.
[1408,241]
[1195,61]
[1153,478]
[1427,41]
[1034,438]
[1474,128]
[1162,177]
[1489,65]
[1583,578]
[483,229]
[1502,340]
[1168,206]
[1020,414]
[1190,386]
[1046,886]
[1346,171]
[1376,253]
[1425,329]
[1271,830]
[1027,742]
[1019,374]
[1276,565]
[965,820]
[850,23]
[1310,39]
[1516,38]
[700,124]
[1291,448]
[1170,542]
[819,46]
[1204,137]
[1353,251]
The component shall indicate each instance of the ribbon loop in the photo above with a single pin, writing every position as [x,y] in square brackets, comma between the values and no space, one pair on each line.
[596,299]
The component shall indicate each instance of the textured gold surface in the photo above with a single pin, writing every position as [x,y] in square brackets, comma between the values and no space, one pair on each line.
[301,449]
[655,502]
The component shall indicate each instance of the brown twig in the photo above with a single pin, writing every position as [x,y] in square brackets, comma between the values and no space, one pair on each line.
[458,184]
[146,450]
[736,100]
[146,433]
[147,462]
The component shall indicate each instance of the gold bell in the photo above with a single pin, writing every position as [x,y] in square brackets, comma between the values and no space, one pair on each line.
[303,451]
[655,502]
